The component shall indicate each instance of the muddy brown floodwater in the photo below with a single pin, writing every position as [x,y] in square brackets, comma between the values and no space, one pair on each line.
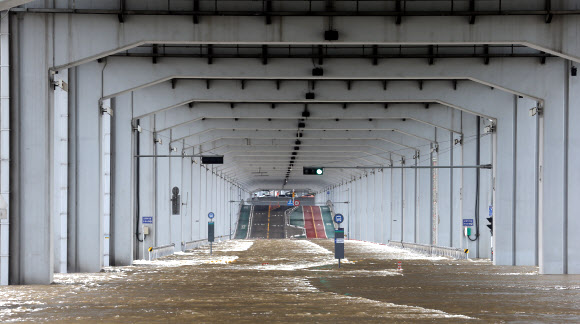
[298,281]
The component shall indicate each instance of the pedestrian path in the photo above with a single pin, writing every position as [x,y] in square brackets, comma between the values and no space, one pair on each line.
[243,222]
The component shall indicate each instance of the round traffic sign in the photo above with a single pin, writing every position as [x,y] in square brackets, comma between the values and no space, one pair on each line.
[210,215]
[296,203]
[338,218]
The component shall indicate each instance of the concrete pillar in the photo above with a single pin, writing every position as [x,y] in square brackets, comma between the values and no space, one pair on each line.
[387,212]
[5,150]
[60,169]
[396,201]
[573,204]
[444,188]
[88,209]
[123,183]
[468,176]
[146,190]
[31,243]
[175,223]
[186,198]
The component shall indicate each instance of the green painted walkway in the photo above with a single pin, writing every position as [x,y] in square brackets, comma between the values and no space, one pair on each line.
[297,217]
[328,222]
[243,222]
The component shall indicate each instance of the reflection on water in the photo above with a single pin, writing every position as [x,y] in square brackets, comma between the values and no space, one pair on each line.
[299,281]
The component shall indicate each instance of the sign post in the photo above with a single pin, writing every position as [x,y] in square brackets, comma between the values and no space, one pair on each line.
[339,239]
[210,231]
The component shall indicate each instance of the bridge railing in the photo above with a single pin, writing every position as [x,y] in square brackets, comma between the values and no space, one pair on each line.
[161,251]
[431,249]
[197,243]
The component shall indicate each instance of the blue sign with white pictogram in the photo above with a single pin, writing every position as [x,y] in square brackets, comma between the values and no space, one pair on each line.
[490,211]
[290,203]
[210,215]
[147,219]
[468,222]
[338,218]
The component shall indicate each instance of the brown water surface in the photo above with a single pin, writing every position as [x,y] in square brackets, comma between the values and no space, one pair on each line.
[299,281]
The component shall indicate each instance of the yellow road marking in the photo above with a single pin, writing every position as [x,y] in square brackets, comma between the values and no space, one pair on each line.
[313,223]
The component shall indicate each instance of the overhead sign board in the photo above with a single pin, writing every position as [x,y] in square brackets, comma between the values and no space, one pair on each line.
[468,222]
[147,219]
[212,160]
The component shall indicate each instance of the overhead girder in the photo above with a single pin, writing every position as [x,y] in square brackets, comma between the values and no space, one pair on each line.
[395,140]
[473,97]
[182,116]
[254,177]
[8,4]
[132,74]
[249,143]
[321,148]
[409,128]
[282,8]
[115,36]
[332,176]
[384,156]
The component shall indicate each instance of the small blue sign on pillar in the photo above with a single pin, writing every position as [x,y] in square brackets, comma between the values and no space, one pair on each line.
[468,222]
[490,211]
[147,220]
[338,218]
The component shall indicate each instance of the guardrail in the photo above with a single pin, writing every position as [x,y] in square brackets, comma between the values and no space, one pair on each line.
[197,243]
[431,250]
[161,251]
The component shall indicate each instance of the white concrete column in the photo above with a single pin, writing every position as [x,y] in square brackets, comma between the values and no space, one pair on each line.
[87,154]
[106,180]
[123,222]
[147,186]
[573,204]
[5,146]
[31,243]
[60,169]
[175,222]
[186,198]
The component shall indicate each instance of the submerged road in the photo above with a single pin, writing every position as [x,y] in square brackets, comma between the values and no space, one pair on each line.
[313,222]
[297,281]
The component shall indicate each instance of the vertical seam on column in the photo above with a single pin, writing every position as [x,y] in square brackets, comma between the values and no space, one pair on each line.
[537,193]
[451,185]
[514,164]
[565,184]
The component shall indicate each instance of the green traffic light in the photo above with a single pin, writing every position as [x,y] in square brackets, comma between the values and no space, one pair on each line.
[319,171]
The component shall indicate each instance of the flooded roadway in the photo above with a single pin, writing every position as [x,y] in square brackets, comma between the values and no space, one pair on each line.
[298,281]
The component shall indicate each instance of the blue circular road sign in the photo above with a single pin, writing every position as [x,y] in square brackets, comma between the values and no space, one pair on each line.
[338,218]
[210,215]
